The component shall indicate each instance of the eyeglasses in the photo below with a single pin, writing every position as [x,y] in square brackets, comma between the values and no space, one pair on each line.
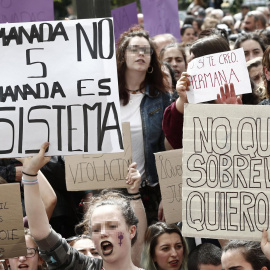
[31,252]
[138,49]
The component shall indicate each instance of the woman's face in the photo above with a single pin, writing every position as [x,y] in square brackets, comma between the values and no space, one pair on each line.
[87,247]
[110,233]
[176,60]
[169,252]
[189,35]
[23,262]
[252,49]
[138,54]
[233,259]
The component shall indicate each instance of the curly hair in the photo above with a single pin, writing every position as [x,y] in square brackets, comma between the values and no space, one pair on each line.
[154,79]
[151,239]
[111,197]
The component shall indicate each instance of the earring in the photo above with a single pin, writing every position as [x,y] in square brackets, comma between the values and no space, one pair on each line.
[150,69]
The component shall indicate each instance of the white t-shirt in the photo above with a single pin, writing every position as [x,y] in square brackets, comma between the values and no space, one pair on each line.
[131,113]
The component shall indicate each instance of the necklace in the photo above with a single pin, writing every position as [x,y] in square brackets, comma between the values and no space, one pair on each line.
[135,91]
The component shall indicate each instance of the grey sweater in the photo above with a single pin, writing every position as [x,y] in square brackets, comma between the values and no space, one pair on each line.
[58,254]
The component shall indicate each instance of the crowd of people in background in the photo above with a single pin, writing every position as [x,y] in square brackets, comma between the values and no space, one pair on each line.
[126,229]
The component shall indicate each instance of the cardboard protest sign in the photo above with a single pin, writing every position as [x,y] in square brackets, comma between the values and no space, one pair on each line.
[12,239]
[161,17]
[13,11]
[208,73]
[169,168]
[59,84]
[226,174]
[124,17]
[99,171]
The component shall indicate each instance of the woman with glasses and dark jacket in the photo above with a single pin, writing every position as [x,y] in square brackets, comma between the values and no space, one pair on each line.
[143,100]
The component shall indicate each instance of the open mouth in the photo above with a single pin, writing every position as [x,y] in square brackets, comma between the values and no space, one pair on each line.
[23,266]
[176,73]
[174,263]
[140,61]
[106,247]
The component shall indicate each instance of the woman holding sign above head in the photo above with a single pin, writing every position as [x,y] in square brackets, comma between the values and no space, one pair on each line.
[110,220]
[143,101]
[173,116]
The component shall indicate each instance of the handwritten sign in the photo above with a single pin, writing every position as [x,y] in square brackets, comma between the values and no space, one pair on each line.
[124,17]
[13,11]
[59,84]
[89,172]
[12,239]
[169,168]
[161,17]
[208,73]
[226,173]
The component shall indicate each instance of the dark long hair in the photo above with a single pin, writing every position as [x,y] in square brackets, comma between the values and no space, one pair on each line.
[208,45]
[154,79]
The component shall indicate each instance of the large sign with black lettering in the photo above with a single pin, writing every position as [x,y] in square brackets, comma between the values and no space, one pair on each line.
[226,171]
[59,84]
[12,239]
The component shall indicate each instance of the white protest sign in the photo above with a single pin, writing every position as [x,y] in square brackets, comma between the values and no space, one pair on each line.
[169,168]
[208,73]
[99,171]
[59,84]
[226,171]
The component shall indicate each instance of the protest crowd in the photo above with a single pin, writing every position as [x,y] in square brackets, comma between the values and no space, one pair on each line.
[127,228]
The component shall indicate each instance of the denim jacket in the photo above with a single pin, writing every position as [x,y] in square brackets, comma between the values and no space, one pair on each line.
[152,109]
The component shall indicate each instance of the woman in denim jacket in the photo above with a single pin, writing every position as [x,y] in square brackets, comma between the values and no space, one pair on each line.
[143,99]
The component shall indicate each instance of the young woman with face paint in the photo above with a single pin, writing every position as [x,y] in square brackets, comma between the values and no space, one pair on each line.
[111,218]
